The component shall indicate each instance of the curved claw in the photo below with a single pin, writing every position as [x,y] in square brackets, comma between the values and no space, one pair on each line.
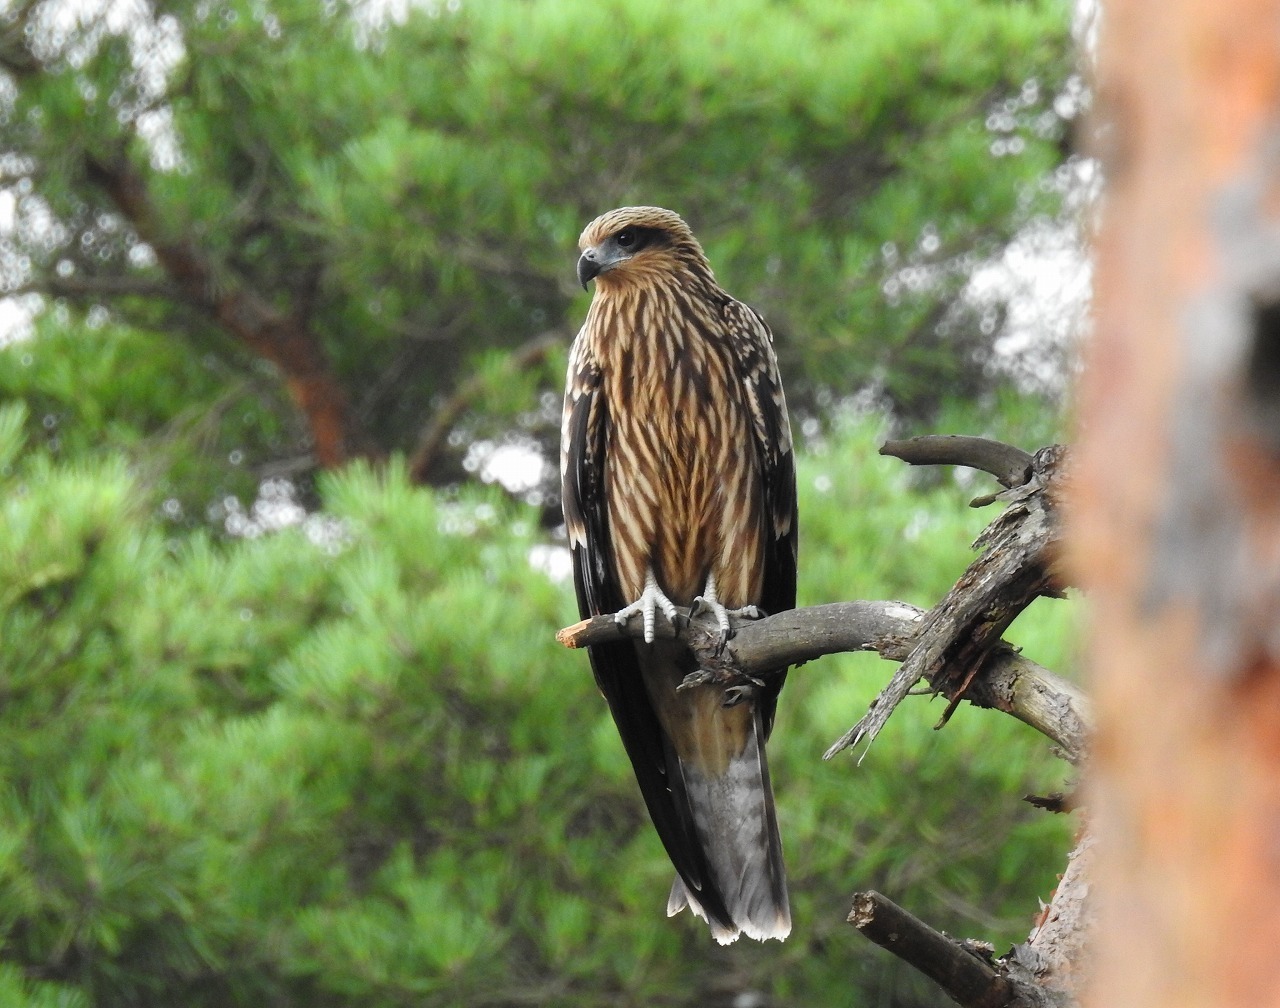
[650,601]
[734,695]
[710,602]
[737,688]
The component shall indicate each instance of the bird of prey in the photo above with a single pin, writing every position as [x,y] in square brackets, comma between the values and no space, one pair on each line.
[679,490]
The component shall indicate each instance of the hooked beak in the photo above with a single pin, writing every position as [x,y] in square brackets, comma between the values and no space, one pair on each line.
[589,267]
[597,260]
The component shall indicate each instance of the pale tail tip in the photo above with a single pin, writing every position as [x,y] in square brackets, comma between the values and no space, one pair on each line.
[779,928]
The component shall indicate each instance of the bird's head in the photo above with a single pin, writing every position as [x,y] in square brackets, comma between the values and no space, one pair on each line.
[635,244]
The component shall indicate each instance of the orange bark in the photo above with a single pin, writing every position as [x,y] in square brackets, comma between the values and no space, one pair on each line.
[1185,785]
[279,337]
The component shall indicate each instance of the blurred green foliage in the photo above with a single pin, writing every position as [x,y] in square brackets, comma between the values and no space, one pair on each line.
[343,762]
[413,191]
[346,763]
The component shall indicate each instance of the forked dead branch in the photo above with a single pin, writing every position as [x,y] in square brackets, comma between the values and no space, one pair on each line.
[956,648]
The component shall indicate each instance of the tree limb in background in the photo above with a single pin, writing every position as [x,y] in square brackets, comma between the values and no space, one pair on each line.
[279,337]
[433,435]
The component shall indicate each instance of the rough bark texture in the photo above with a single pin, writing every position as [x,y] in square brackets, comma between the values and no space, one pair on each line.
[1054,957]
[965,972]
[1018,564]
[1007,682]
[1177,512]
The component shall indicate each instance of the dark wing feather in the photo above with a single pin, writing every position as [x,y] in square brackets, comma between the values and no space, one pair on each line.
[758,369]
[583,490]
[584,441]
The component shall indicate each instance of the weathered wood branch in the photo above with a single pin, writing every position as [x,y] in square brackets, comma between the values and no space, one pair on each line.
[959,968]
[1045,971]
[1008,682]
[956,642]
[1018,564]
[1005,462]
[1054,956]
[788,638]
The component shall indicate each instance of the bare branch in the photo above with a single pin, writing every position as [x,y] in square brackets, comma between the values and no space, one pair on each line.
[788,638]
[1006,680]
[967,978]
[1005,462]
[1018,564]
[1053,706]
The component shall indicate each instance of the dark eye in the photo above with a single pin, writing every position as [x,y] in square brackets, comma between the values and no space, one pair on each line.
[625,239]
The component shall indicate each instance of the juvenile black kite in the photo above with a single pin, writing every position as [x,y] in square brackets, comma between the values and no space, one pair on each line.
[679,487]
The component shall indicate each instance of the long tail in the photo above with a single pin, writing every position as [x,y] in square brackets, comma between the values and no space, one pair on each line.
[736,823]
[702,772]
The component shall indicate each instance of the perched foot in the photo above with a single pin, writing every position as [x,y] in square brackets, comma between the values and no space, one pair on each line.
[715,666]
[734,695]
[650,601]
[708,601]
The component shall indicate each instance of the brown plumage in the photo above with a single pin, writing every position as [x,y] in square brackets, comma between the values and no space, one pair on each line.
[679,483]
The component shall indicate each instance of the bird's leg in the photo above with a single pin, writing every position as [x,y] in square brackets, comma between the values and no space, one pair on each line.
[737,686]
[710,602]
[650,600]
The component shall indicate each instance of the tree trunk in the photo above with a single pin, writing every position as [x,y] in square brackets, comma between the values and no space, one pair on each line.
[1176,510]
[281,337]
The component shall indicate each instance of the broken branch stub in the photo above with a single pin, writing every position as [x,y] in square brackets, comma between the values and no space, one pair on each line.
[1018,564]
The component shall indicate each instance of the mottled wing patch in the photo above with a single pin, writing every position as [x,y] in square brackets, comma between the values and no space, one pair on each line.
[582,446]
[771,428]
